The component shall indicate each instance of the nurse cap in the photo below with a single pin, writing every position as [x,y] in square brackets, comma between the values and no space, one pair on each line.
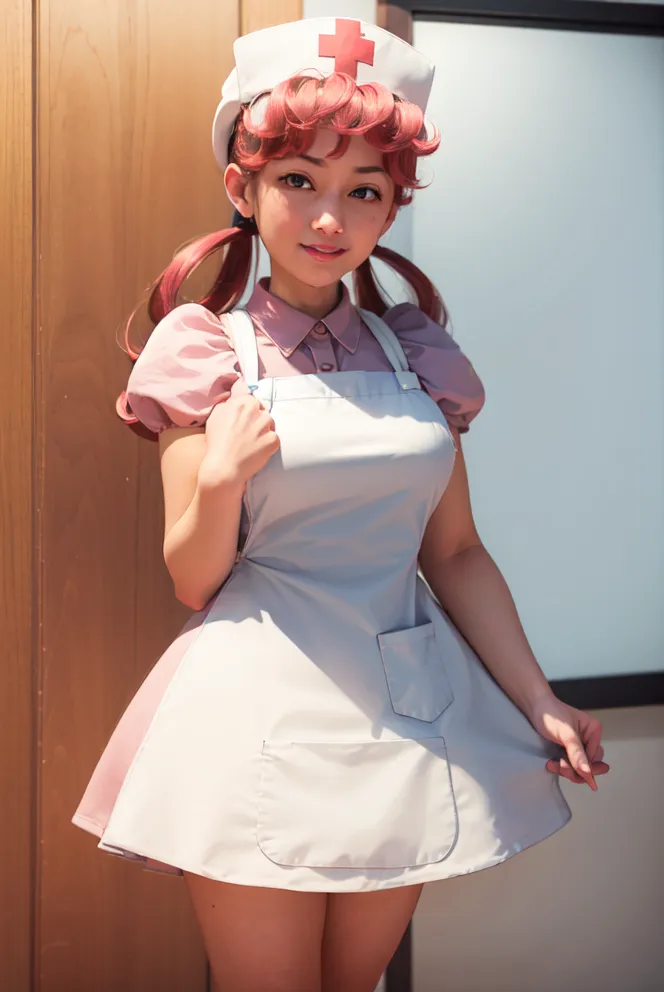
[319,46]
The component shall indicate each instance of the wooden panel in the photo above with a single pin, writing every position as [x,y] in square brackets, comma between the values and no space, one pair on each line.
[16,504]
[257,14]
[127,92]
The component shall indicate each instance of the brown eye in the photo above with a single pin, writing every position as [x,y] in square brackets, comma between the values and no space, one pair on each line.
[294,175]
[367,189]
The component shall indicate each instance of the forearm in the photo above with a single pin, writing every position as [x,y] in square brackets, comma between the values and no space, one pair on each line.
[472,590]
[201,547]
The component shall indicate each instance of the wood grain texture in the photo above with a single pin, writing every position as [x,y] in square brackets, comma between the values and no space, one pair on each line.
[17,699]
[257,14]
[127,93]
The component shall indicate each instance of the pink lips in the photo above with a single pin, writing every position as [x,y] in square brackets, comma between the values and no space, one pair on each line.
[320,253]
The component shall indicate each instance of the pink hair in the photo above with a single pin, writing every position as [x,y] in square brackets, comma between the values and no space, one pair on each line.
[291,113]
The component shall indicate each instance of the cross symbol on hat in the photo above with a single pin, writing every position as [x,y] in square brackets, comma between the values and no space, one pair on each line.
[347,47]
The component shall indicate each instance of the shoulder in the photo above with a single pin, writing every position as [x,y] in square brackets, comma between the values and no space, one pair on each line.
[187,326]
[187,366]
[444,370]
[411,324]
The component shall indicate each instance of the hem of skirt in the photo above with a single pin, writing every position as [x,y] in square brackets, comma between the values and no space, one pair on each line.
[142,860]
[152,862]
[85,823]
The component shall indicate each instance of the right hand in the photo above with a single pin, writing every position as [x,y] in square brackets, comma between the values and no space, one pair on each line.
[240,436]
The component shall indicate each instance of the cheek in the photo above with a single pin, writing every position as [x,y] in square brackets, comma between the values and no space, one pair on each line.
[368,222]
[280,213]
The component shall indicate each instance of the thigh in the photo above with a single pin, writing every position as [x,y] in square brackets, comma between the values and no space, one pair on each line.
[362,932]
[259,939]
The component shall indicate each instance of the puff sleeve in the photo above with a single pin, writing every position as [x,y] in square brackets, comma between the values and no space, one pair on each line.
[443,369]
[186,367]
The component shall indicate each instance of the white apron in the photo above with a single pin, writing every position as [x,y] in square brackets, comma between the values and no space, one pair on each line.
[324,727]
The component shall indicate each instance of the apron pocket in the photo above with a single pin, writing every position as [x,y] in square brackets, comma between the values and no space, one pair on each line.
[356,804]
[416,677]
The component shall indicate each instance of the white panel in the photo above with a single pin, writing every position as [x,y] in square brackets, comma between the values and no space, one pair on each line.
[363,10]
[544,231]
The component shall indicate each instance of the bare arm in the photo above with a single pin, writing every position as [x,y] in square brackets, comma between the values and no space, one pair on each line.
[472,590]
[204,475]
[202,517]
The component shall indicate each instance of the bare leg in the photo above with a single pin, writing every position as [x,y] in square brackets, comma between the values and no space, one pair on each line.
[362,932]
[259,939]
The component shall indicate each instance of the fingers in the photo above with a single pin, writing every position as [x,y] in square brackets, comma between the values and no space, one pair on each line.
[564,769]
[591,732]
[240,388]
[579,760]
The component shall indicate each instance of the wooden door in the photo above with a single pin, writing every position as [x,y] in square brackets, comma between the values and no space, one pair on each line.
[106,168]
[126,92]
[17,655]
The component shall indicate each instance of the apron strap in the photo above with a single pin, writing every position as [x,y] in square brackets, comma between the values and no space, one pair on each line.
[244,343]
[390,344]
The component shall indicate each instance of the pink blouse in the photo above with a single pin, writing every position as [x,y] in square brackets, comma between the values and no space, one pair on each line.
[188,363]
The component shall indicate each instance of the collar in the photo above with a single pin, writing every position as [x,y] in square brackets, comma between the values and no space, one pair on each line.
[288,327]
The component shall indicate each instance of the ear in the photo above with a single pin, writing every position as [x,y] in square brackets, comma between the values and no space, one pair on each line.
[237,188]
[394,209]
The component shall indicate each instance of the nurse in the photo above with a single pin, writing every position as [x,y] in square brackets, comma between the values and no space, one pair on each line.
[329,732]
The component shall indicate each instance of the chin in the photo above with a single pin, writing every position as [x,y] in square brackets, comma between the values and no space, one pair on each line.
[317,280]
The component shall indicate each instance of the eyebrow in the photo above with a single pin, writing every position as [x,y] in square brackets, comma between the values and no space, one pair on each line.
[359,168]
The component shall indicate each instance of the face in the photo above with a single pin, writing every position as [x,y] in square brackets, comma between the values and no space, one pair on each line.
[302,204]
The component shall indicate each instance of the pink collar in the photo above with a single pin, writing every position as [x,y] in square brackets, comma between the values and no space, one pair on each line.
[288,327]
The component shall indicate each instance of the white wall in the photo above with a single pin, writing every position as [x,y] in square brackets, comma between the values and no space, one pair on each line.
[544,231]
[580,912]
[363,10]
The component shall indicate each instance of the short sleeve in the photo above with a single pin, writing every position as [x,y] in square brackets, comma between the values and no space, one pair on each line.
[186,367]
[441,366]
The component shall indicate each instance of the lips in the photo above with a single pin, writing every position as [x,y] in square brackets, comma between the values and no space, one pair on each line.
[322,252]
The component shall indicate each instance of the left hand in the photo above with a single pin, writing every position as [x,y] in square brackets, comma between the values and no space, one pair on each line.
[578,732]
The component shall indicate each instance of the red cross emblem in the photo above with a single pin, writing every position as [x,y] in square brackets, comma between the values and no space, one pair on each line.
[347,47]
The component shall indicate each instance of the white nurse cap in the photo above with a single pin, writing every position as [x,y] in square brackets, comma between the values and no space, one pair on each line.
[319,46]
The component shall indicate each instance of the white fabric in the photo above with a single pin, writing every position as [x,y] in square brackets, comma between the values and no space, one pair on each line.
[244,344]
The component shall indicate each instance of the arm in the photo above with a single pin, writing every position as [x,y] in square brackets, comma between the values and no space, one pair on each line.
[471,589]
[204,475]
[202,509]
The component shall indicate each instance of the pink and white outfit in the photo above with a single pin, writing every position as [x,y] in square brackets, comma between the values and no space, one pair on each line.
[321,725]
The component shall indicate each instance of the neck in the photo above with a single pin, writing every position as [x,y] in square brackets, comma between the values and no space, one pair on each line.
[317,301]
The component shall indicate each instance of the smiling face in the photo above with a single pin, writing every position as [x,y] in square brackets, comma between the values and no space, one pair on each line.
[302,203]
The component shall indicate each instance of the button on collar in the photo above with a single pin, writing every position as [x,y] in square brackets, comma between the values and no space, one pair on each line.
[320,330]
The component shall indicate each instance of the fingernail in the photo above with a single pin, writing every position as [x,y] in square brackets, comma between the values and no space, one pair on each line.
[584,767]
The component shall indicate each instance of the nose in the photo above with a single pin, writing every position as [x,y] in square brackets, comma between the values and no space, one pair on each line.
[329,219]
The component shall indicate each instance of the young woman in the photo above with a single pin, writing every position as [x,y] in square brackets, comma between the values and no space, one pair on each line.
[321,739]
